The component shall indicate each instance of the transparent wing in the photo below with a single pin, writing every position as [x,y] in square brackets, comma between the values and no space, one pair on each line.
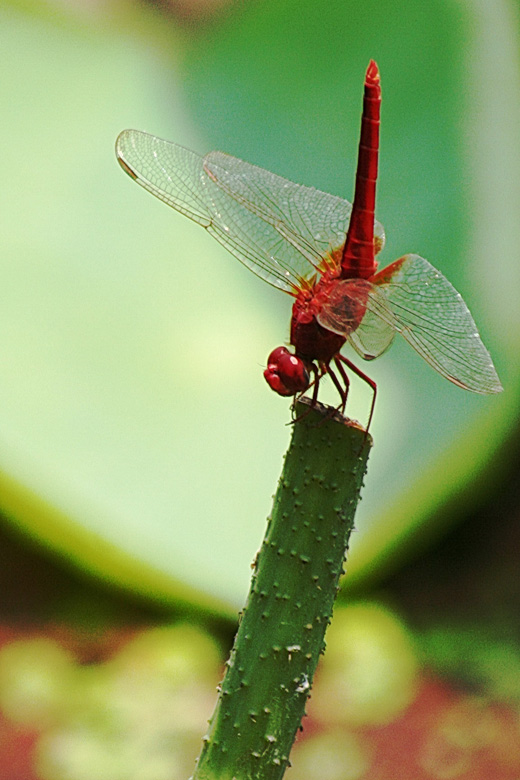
[431,315]
[176,176]
[179,177]
[313,222]
[358,309]
[376,330]
[412,298]
[168,171]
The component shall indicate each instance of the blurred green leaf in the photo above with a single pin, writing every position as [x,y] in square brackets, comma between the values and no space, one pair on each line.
[136,434]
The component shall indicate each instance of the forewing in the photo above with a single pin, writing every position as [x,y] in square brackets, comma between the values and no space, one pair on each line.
[170,172]
[313,222]
[177,176]
[358,310]
[433,318]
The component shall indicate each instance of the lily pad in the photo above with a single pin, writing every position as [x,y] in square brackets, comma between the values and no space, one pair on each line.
[137,436]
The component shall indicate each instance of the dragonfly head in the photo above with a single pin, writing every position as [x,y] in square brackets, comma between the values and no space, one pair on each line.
[286,374]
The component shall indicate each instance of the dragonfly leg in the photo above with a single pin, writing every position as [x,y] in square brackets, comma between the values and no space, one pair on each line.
[315,384]
[324,368]
[343,391]
[362,376]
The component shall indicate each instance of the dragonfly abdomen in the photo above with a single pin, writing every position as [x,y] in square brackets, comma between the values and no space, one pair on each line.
[358,258]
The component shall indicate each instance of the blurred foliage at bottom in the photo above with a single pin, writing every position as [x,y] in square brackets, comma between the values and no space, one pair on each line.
[419,682]
[139,713]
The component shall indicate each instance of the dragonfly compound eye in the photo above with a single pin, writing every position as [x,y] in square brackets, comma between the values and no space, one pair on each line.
[286,374]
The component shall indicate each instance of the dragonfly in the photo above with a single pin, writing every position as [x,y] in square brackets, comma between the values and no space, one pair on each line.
[321,250]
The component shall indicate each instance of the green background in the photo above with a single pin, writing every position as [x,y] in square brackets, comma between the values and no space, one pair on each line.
[137,437]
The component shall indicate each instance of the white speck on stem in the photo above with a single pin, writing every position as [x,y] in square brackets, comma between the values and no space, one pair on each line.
[304,685]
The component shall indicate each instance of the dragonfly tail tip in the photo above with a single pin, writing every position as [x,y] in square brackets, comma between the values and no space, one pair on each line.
[372,76]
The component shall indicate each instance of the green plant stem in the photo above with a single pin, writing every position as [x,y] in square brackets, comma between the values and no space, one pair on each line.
[296,574]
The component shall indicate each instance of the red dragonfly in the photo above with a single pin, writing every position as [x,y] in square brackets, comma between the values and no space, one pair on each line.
[321,250]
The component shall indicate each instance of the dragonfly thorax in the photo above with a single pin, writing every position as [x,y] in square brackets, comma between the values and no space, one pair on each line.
[288,374]
[311,340]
